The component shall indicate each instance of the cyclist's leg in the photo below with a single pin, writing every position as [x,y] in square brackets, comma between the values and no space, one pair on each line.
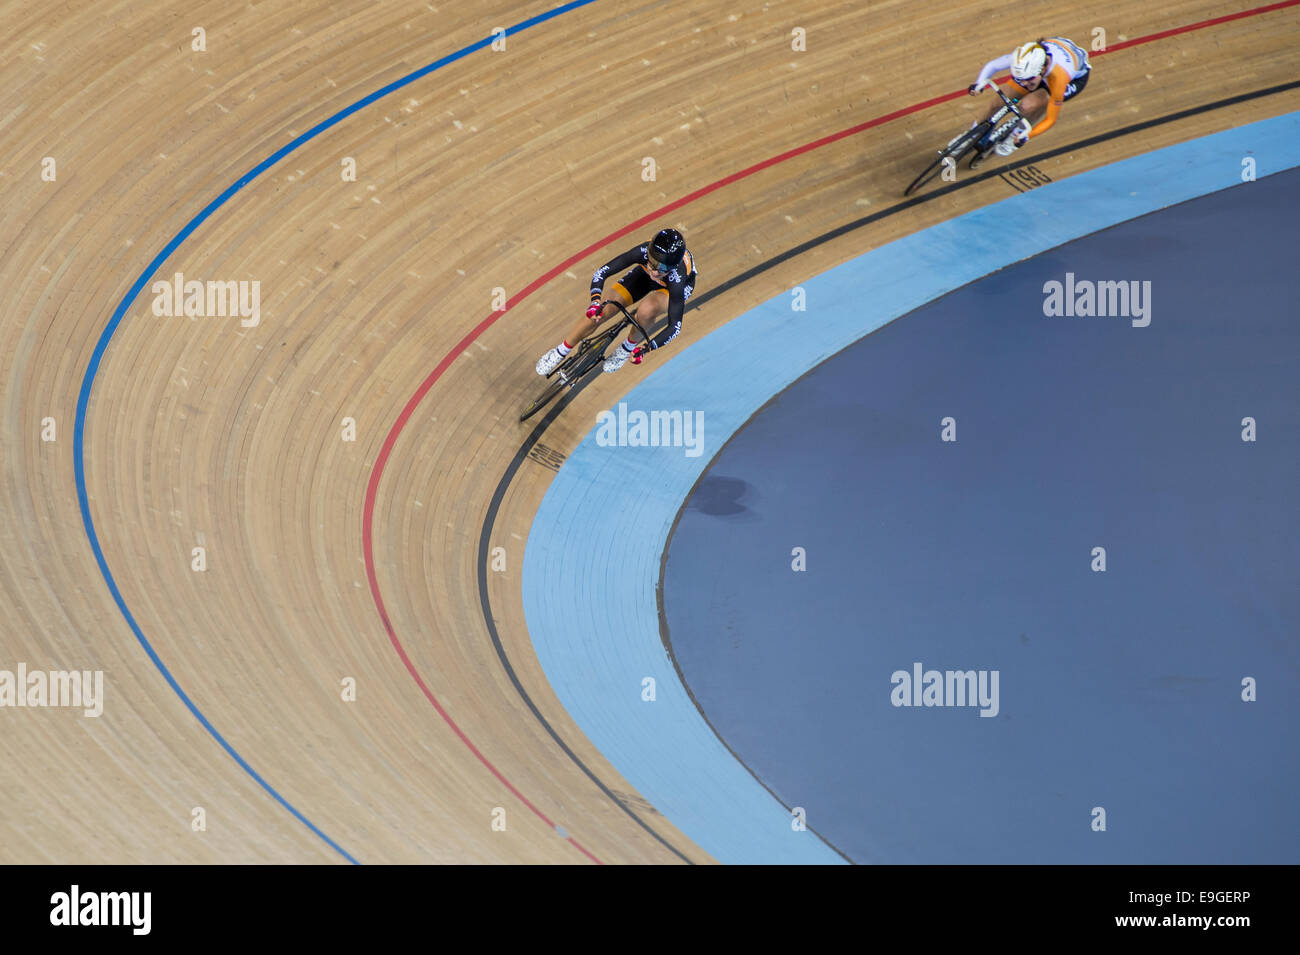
[650,308]
[655,306]
[584,326]
[1035,104]
[1032,105]
[648,311]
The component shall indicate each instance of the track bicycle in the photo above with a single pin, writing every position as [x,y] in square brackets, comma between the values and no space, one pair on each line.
[979,141]
[589,354]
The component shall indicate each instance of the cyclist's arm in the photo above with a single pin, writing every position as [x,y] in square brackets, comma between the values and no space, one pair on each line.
[1057,81]
[676,307]
[631,257]
[993,66]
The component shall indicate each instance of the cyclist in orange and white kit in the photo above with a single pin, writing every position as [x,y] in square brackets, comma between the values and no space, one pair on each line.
[1045,73]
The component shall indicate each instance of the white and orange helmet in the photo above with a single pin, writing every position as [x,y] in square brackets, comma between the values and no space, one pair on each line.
[1028,61]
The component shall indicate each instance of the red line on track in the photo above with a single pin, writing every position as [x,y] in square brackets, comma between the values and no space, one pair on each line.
[1201,25]
[372,488]
[367,544]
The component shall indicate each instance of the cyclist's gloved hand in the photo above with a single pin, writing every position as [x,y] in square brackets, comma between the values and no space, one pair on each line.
[976,87]
[593,310]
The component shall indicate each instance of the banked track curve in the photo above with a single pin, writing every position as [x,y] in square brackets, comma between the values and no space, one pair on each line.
[84,397]
[703,298]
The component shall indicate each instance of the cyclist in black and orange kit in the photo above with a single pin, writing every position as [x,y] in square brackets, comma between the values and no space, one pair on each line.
[661,276]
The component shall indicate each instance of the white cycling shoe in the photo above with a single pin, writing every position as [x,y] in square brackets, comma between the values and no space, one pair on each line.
[617,360]
[549,362]
[1006,147]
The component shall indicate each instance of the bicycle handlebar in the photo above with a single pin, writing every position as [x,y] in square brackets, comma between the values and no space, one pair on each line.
[645,336]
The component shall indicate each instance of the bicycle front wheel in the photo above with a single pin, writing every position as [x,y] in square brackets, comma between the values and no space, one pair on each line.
[542,400]
[954,151]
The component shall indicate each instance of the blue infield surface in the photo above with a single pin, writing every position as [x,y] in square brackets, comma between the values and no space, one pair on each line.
[1119,690]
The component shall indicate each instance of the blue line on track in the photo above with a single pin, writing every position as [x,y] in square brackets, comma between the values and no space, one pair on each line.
[92,368]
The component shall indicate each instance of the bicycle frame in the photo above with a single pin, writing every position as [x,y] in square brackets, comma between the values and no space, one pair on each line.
[1010,105]
[645,336]
[1000,124]
[581,361]
[611,333]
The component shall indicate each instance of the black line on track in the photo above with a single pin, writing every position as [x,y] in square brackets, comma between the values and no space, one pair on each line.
[563,400]
[975,178]
[483,547]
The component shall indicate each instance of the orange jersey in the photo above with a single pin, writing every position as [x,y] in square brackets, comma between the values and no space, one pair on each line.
[1068,62]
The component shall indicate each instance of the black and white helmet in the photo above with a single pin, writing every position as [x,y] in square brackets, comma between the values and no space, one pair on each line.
[666,251]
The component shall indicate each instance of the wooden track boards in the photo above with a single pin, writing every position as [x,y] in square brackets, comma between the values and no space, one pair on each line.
[482,175]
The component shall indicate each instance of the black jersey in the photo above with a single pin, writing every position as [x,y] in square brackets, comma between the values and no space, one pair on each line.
[679,282]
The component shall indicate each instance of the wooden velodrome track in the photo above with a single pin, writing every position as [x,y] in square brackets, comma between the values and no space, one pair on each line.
[487,173]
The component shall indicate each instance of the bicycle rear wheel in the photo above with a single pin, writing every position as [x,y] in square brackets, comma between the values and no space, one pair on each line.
[980,156]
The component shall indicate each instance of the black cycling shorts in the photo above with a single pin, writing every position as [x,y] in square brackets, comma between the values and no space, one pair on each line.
[1076,86]
[637,283]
